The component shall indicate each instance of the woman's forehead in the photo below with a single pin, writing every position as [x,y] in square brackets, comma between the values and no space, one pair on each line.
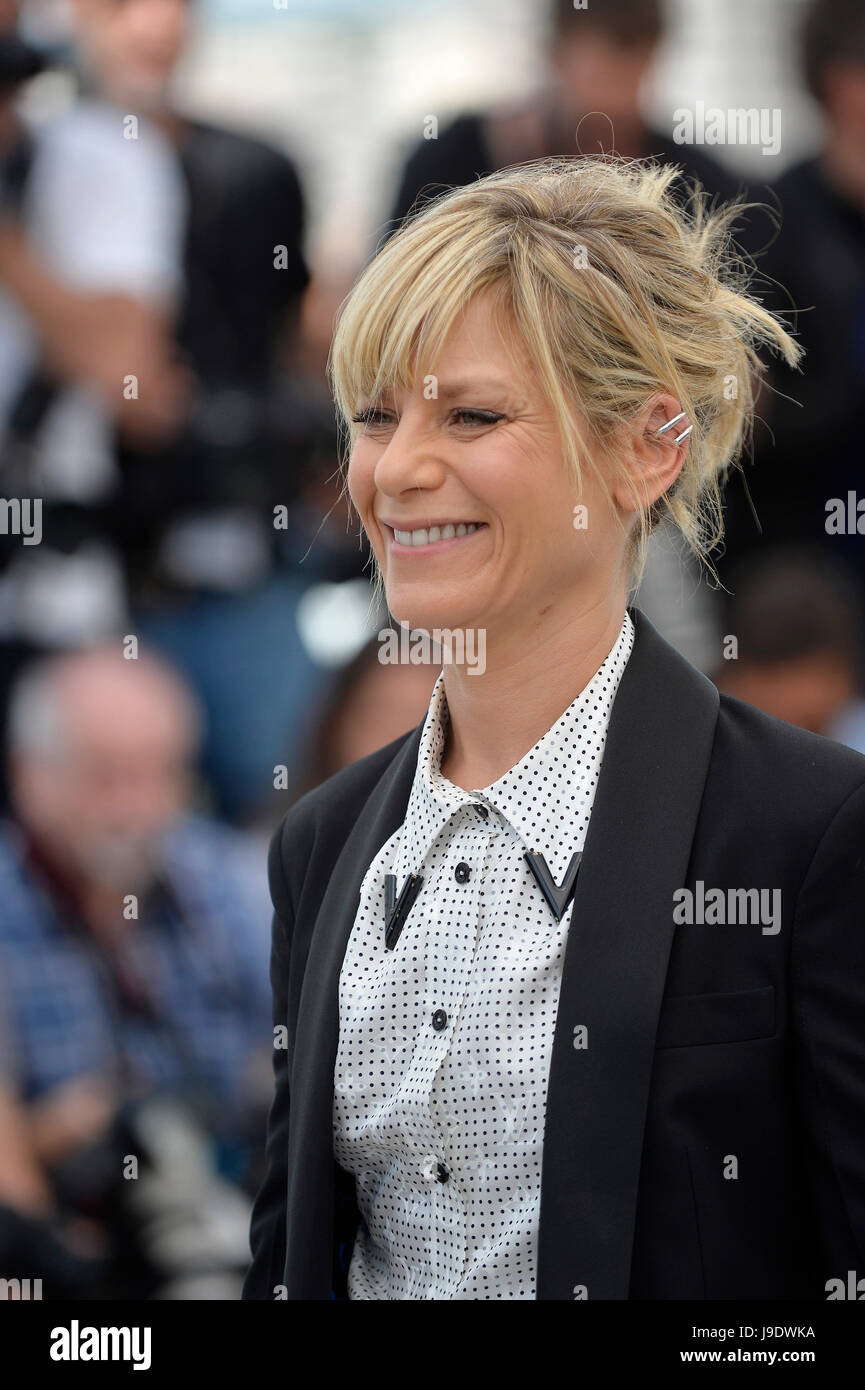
[481,349]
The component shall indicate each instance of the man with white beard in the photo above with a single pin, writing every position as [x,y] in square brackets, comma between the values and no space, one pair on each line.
[130,940]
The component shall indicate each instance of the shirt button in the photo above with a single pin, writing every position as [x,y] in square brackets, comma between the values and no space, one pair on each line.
[439,1020]
[443,1173]
[482,812]
[462,873]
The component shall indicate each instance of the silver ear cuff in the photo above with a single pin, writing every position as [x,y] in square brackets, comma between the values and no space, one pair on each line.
[675,420]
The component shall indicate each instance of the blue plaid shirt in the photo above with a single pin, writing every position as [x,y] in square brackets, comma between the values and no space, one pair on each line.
[198,949]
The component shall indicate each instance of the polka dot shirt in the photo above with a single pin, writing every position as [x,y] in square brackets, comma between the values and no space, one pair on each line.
[445,1041]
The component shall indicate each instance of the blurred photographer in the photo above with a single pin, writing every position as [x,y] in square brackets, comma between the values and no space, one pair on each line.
[810,449]
[134,969]
[213,581]
[91,224]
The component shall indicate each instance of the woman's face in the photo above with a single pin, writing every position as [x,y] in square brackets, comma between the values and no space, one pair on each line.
[478,445]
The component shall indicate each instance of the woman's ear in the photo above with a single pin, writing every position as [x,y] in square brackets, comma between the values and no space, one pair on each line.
[654,454]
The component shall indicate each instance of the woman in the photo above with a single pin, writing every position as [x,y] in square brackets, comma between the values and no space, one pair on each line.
[565,980]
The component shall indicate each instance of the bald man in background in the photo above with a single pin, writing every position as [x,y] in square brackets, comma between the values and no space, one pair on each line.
[130,940]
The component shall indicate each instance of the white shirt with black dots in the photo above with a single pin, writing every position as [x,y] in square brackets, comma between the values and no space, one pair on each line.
[445,1042]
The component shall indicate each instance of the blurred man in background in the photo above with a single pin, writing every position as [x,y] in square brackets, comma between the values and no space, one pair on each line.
[175,248]
[132,947]
[213,580]
[91,228]
[90,239]
[798,622]
[598,60]
[811,449]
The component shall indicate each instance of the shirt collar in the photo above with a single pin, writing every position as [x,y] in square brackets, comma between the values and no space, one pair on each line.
[556,763]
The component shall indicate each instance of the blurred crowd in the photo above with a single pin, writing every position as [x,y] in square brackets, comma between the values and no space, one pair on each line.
[187,630]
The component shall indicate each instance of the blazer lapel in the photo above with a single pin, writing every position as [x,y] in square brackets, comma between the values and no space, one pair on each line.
[636,854]
[311,1164]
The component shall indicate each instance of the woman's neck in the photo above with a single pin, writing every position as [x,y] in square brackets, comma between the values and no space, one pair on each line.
[528,682]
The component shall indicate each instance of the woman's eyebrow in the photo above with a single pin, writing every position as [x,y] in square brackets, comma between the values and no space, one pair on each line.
[450,389]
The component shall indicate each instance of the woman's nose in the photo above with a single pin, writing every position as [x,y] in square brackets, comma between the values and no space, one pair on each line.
[411,459]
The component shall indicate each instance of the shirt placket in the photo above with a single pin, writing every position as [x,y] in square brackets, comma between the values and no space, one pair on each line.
[450,961]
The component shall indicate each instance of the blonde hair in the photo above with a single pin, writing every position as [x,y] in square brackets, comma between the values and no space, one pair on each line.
[617,293]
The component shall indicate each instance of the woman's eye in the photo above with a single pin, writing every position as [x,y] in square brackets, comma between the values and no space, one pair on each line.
[477,417]
[371,417]
[374,417]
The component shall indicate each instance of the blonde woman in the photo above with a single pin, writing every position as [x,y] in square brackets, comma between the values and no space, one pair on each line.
[568,981]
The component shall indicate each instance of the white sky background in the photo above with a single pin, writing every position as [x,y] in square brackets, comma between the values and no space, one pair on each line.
[344,85]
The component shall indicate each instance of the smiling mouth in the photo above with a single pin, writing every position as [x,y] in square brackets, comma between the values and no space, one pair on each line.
[423,537]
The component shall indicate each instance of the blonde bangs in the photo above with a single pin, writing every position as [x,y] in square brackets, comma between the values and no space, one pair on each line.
[397,317]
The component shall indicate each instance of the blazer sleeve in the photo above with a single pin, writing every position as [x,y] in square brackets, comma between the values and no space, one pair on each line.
[267,1226]
[828,992]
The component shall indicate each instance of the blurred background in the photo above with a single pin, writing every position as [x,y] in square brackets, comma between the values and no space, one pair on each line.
[187,633]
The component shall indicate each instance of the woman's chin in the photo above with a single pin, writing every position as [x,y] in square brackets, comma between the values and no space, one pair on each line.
[421,606]
[427,617]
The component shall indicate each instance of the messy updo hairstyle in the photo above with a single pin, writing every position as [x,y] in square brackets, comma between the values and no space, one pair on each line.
[616,288]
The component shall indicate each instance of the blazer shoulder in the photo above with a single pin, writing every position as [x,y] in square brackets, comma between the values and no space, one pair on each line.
[323,817]
[788,757]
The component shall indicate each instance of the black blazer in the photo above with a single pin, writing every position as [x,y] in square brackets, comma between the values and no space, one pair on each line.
[711,1049]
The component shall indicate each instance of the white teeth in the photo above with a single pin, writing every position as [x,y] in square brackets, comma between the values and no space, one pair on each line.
[427,536]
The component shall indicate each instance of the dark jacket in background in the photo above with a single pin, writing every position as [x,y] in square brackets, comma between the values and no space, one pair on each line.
[811,448]
[462,154]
